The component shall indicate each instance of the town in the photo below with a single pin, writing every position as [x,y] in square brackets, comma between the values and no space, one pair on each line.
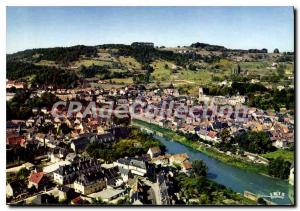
[58,156]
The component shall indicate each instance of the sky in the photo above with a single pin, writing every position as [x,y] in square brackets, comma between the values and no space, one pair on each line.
[232,27]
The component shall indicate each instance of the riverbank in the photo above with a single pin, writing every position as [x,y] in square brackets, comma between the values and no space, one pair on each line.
[172,135]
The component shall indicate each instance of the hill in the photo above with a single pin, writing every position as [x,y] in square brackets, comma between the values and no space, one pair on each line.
[187,67]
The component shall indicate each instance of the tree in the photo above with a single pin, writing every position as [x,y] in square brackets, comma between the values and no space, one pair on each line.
[239,69]
[124,201]
[121,121]
[225,134]
[276,107]
[23,173]
[177,166]
[98,201]
[276,50]
[261,201]
[256,142]
[199,168]
[279,168]
[92,70]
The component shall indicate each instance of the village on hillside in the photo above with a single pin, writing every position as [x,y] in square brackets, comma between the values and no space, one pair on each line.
[236,116]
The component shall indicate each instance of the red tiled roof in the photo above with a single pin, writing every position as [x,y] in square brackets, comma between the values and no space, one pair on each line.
[15,140]
[36,177]
[180,157]
[187,165]
[79,200]
[155,149]
[212,134]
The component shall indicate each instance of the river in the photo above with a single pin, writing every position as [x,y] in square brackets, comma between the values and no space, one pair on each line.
[237,179]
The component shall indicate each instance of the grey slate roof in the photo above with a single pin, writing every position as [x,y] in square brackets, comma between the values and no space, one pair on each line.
[133,162]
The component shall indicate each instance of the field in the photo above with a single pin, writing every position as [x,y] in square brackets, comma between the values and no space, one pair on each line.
[187,76]
[89,62]
[45,63]
[130,63]
[285,154]
[161,72]
[122,80]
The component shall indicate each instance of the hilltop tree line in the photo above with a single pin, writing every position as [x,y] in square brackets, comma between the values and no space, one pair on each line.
[60,55]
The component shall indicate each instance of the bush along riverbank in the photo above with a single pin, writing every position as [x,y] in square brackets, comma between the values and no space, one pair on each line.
[197,145]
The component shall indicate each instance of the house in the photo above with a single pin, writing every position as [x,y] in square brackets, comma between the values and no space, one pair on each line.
[28,166]
[16,188]
[256,158]
[67,174]
[64,192]
[108,194]
[164,195]
[125,174]
[79,144]
[139,192]
[186,166]
[179,158]
[57,154]
[49,169]
[154,152]
[17,85]
[208,135]
[15,139]
[280,143]
[90,182]
[267,121]
[212,136]
[38,180]
[79,201]
[119,132]
[162,160]
[72,157]
[113,176]
[143,44]
[136,165]
[41,137]
[10,95]
[44,199]
[280,87]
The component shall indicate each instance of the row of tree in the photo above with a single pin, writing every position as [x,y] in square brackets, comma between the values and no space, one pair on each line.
[60,55]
